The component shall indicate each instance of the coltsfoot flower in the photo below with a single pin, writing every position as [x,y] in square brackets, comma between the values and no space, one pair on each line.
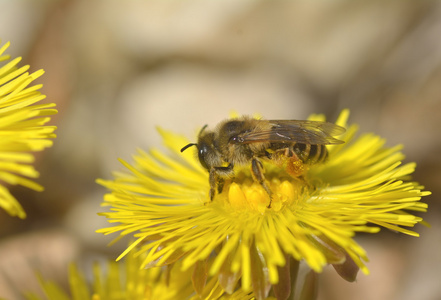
[163,202]
[22,130]
[125,280]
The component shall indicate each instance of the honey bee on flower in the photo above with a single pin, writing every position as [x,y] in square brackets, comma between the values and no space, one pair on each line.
[245,140]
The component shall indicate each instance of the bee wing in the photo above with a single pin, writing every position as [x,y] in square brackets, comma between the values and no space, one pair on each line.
[295,131]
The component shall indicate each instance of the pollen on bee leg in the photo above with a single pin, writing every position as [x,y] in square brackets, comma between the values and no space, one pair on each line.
[295,167]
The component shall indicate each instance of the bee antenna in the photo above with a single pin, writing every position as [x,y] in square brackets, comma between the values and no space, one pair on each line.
[189,145]
[202,129]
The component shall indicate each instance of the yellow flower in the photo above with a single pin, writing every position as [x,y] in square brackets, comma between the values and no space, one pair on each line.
[127,281]
[22,130]
[163,201]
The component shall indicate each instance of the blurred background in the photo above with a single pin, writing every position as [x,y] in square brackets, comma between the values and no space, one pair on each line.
[118,69]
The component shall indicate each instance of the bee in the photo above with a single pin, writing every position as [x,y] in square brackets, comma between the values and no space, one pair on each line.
[248,141]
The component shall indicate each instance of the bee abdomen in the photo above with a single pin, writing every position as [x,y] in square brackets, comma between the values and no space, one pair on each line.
[311,154]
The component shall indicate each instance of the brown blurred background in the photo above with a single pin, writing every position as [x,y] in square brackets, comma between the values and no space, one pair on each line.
[117,69]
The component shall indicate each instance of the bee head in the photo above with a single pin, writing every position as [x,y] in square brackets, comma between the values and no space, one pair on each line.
[207,154]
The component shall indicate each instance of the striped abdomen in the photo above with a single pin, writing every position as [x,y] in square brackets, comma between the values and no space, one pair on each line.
[310,154]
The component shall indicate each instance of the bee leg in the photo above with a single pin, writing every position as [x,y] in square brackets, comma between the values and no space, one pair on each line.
[220,185]
[257,171]
[216,178]
[295,167]
[212,180]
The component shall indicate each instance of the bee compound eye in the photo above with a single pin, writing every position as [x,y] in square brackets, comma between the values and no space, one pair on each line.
[202,154]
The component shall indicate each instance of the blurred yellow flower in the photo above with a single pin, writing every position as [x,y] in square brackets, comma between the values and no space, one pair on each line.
[162,201]
[127,281]
[22,129]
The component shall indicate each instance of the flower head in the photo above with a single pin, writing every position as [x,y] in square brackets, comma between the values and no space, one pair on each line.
[127,281]
[163,201]
[22,129]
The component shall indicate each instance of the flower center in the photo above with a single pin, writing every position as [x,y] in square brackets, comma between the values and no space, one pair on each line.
[243,193]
